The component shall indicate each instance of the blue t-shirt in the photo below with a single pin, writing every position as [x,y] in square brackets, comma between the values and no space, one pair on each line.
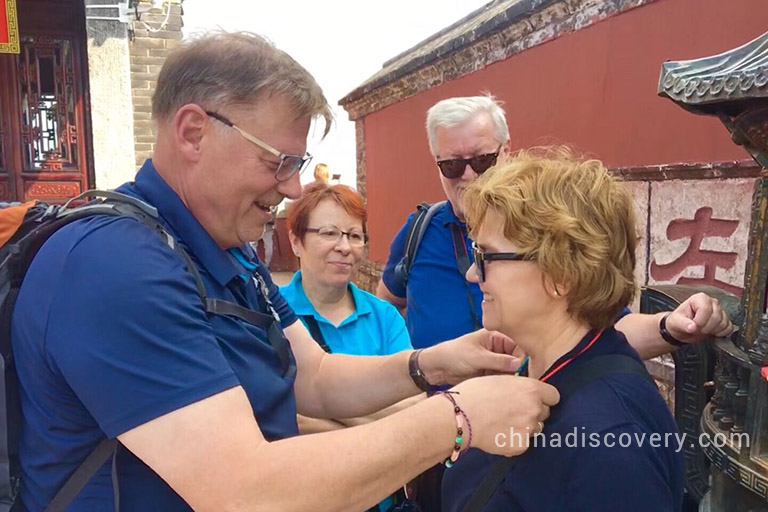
[109,332]
[376,328]
[438,303]
[586,473]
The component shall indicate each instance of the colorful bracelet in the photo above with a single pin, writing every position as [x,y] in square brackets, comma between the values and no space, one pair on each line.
[461,420]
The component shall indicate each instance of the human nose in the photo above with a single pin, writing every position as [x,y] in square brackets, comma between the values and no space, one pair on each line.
[290,188]
[473,274]
[469,173]
[342,244]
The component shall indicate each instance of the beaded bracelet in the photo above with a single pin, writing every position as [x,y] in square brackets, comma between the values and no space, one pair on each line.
[461,420]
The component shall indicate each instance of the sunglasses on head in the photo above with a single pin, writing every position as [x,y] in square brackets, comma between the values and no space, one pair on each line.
[453,168]
[481,257]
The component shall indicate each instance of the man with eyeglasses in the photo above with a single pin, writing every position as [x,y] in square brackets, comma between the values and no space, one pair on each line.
[467,135]
[170,337]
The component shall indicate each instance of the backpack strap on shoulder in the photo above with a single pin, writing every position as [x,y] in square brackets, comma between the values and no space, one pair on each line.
[416,232]
[571,384]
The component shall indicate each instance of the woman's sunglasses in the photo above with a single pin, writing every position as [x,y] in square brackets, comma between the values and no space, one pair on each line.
[454,167]
[481,257]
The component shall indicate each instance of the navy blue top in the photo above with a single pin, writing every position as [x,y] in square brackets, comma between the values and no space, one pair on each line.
[109,332]
[590,475]
[436,295]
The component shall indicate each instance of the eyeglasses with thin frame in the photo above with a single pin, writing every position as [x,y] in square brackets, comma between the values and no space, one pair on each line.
[334,234]
[481,257]
[289,164]
[453,168]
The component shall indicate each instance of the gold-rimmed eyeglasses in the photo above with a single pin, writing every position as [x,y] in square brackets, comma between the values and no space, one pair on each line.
[289,164]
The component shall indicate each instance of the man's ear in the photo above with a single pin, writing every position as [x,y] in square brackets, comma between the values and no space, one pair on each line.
[189,127]
[506,149]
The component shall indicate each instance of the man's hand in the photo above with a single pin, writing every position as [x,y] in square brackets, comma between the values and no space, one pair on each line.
[505,411]
[698,318]
[478,353]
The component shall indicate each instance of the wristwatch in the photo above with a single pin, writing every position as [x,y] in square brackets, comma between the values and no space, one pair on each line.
[416,373]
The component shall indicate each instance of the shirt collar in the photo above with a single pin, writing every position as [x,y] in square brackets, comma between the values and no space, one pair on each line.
[447,216]
[303,306]
[575,351]
[300,303]
[218,262]
[362,305]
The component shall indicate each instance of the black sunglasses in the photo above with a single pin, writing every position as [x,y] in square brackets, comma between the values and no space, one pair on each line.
[453,168]
[481,257]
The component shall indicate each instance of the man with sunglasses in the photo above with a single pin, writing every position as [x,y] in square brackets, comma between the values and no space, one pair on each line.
[467,135]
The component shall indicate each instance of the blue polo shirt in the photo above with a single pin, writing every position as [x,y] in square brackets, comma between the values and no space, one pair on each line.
[590,474]
[376,328]
[438,303]
[109,332]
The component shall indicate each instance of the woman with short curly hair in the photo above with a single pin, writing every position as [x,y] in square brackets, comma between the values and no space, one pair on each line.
[554,256]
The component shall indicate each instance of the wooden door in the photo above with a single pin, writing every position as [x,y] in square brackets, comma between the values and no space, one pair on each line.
[45,147]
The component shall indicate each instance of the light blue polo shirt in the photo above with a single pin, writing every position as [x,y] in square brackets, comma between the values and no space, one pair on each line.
[376,328]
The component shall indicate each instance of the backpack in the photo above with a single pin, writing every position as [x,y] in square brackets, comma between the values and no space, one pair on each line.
[24,228]
[416,232]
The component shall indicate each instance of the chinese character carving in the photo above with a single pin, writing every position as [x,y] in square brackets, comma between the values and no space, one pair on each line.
[702,226]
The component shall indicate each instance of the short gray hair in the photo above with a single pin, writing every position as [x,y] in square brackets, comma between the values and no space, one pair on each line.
[235,68]
[456,111]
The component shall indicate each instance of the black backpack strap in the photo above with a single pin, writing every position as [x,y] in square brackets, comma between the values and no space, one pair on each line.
[224,307]
[98,457]
[315,332]
[570,385]
[416,232]
[462,258]
[597,368]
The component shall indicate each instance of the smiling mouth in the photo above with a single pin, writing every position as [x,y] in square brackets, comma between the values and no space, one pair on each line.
[265,207]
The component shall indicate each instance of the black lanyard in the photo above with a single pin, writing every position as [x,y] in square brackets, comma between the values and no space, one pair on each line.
[462,258]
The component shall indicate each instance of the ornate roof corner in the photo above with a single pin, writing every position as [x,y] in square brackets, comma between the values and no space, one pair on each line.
[739,74]
[732,86]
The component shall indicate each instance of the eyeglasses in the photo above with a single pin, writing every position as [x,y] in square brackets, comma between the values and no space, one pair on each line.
[289,164]
[481,257]
[454,167]
[334,234]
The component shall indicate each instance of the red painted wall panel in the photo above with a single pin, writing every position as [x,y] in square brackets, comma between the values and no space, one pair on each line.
[594,89]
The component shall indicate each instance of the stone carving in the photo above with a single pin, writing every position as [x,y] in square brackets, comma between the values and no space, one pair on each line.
[696,230]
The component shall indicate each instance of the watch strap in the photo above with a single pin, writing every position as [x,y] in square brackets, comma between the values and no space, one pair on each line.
[666,335]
